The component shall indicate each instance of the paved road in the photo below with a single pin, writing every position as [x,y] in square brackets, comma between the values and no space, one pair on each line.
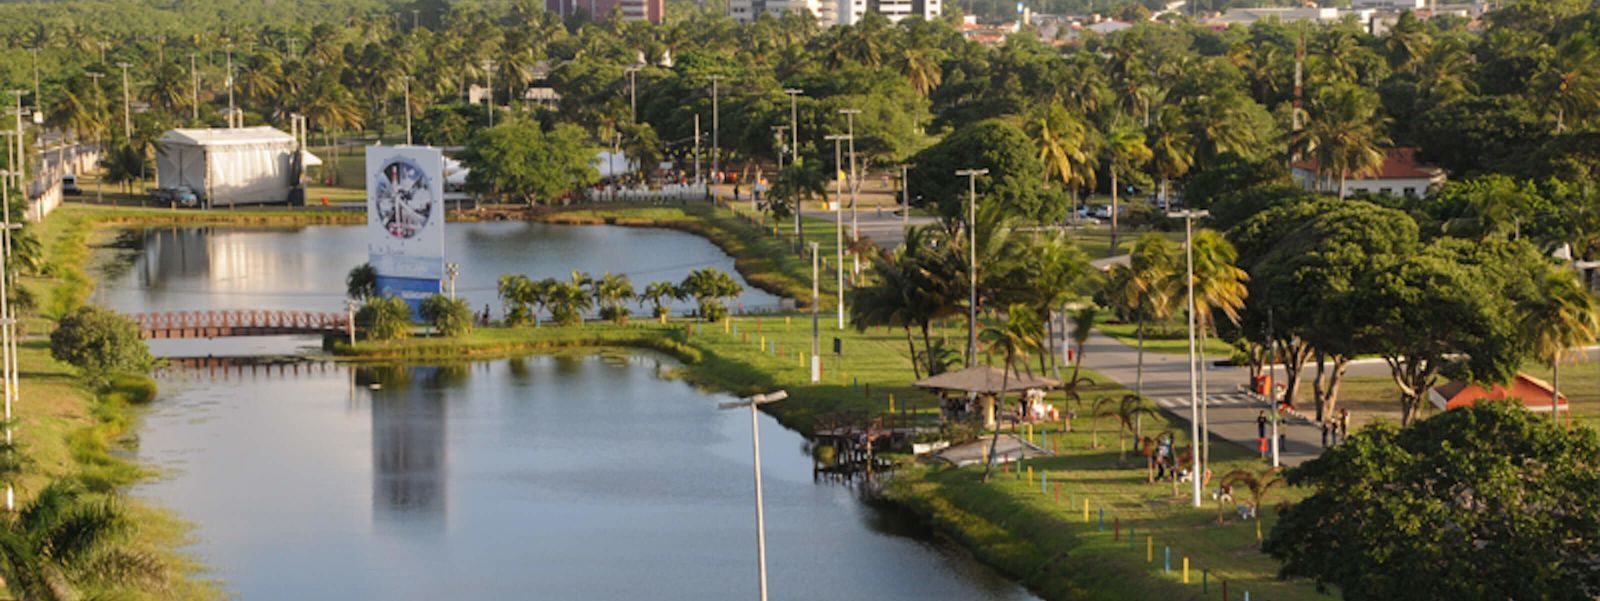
[1166,381]
[884,227]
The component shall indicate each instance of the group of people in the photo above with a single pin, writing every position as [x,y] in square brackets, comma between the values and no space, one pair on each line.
[1335,430]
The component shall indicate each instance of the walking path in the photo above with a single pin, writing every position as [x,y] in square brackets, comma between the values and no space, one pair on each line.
[1232,414]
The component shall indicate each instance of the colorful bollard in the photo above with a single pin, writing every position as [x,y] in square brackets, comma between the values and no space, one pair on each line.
[1149,549]
[1166,559]
[1102,519]
[1086,510]
[1186,569]
[1044,483]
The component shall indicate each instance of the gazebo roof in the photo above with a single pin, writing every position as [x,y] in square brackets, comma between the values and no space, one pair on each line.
[985,379]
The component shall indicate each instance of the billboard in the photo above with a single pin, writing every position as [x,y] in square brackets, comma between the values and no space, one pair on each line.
[405,220]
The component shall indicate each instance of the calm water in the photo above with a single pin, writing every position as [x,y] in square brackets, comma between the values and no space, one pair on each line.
[538,478]
[180,269]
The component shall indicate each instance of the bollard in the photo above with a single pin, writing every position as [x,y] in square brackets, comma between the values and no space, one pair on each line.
[1116,529]
[891,402]
[1149,549]
[1186,569]
[1030,433]
[1224,590]
[1058,493]
[786,321]
[1085,510]
[1102,519]
[1166,559]
[1030,473]
[763,343]
[1205,581]
[1044,483]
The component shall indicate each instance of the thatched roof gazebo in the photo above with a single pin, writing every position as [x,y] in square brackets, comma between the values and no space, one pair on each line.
[988,382]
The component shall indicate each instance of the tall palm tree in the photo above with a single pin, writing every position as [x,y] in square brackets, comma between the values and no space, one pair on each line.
[1014,338]
[1171,148]
[68,543]
[886,301]
[1343,133]
[612,291]
[657,294]
[1147,288]
[1564,316]
[1219,286]
[1062,140]
[516,291]
[921,68]
[1053,271]
[1570,81]
[1125,152]
[1259,485]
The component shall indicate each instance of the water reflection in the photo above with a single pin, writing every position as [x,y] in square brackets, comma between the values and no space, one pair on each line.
[408,442]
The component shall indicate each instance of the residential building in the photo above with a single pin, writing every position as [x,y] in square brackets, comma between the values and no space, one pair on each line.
[1400,175]
[600,10]
[835,12]
[1535,394]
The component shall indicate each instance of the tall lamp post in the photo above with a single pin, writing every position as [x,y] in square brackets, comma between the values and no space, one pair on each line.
[99,93]
[794,140]
[755,444]
[838,216]
[8,335]
[816,338]
[1188,217]
[127,113]
[855,182]
[716,125]
[488,69]
[972,261]
[633,93]
[406,79]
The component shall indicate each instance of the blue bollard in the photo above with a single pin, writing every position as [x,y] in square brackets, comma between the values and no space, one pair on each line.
[1247,596]
[1166,559]
[1044,484]
[1102,519]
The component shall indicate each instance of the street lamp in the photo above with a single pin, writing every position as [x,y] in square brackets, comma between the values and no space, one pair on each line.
[855,183]
[716,141]
[451,270]
[972,261]
[1188,217]
[127,113]
[816,340]
[755,444]
[794,139]
[633,93]
[488,68]
[406,79]
[838,216]
[7,325]
[100,184]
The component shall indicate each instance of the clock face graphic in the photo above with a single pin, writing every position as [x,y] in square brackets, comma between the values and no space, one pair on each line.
[405,198]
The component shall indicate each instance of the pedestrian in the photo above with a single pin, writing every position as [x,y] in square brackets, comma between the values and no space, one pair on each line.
[1261,432]
[736,192]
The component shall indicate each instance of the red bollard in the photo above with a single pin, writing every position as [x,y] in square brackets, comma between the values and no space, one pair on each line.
[1058,492]
[1116,529]
[1224,590]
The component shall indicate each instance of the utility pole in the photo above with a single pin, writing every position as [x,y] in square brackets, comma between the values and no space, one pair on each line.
[413,19]
[1197,473]
[37,105]
[905,197]
[488,68]
[8,333]
[816,340]
[838,215]
[406,79]
[99,93]
[794,147]
[194,91]
[755,444]
[716,142]
[127,113]
[972,261]
[697,179]
[633,93]
[230,88]
[855,182]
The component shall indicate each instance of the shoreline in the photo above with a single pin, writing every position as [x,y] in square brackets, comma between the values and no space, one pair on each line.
[720,356]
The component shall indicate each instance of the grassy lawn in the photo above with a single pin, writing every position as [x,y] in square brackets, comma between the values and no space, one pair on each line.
[1376,397]
[1169,338]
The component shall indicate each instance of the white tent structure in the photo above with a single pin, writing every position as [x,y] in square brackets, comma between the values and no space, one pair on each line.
[230,166]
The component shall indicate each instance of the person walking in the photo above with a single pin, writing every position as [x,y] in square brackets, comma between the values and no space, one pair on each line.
[1261,432]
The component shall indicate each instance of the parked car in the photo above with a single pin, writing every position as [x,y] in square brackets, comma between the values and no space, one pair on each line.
[180,195]
[69,185]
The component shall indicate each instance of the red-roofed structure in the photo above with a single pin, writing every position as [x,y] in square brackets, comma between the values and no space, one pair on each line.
[1533,392]
[1400,174]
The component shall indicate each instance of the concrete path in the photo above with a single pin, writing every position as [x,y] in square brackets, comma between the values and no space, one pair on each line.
[1009,448]
[1166,381]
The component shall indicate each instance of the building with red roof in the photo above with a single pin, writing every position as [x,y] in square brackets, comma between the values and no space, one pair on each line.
[1401,174]
[1533,392]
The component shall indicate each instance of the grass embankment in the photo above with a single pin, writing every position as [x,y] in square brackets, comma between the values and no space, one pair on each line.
[70,428]
[1167,339]
[1007,523]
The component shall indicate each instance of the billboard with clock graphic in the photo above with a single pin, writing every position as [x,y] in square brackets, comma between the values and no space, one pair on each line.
[405,220]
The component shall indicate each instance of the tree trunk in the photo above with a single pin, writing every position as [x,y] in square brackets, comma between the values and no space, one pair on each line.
[927,345]
[1316,384]
[1203,454]
[911,346]
[1138,370]
[1555,391]
[1341,186]
[994,439]
[1113,251]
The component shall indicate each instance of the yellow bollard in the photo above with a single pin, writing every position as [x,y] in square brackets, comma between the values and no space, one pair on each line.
[763,346]
[891,402]
[1086,510]
[727,324]
[1030,473]
[1149,549]
[1030,433]
[786,321]
[1186,570]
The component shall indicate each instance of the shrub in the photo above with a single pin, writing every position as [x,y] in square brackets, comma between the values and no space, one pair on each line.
[449,317]
[385,318]
[100,342]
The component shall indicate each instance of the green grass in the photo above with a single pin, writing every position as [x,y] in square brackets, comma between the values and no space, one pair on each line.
[1169,339]
[1376,397]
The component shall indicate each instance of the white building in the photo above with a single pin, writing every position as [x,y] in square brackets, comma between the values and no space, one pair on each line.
[835,12]
[1247,16]
[1400,175]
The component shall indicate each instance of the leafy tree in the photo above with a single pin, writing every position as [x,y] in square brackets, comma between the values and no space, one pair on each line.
[1486,502]
[449,317]
[657,294]
[1343,133]
[99,341]
[67,543]
[1561,317]
[517,159]
[362,282]
[709,287]
[1012,182]
[1128,410]
[385,318]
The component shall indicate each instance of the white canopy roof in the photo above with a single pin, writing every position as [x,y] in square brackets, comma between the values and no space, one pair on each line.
[226,136]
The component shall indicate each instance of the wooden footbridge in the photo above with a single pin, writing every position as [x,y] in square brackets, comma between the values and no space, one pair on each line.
[217,324]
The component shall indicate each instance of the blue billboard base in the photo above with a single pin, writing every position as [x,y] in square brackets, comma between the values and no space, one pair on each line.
[412,290]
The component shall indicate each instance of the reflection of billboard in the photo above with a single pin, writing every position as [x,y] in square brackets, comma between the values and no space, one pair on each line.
[405,220]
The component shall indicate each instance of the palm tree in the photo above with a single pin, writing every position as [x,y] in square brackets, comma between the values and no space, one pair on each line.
[612,291]
[1343,133]
[1062,140]
[1171,148]
[361,283]
[885,301]
[1570,80]
[656,294]
[567,301]
[1564,316]
[921,68]
[1052,272]
[1013,339]
[1128,410]
[516,292]
[1259,484]
[1147,288]
[1125,153]
[67,542]
[1219,285]
[1083,321]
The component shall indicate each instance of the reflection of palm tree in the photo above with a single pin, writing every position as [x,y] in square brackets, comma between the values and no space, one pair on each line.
[1015,338]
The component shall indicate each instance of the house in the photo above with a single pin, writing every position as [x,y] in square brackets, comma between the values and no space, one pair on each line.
[1400,174]
[1534,393]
